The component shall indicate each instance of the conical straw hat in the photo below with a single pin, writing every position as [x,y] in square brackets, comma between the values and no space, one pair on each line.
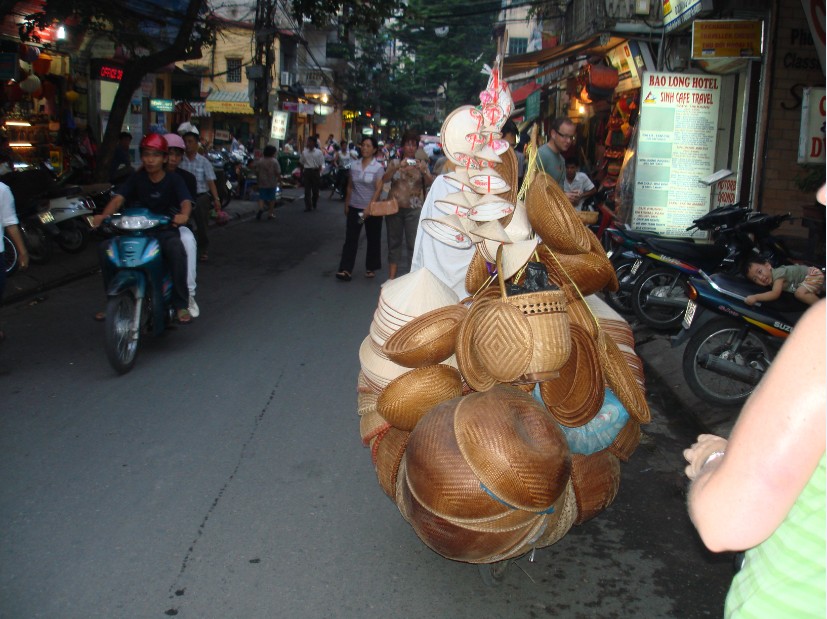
[488,181]
[459,179]
[553,217]
[519,228]
[408,397]
[490,207]
[449,229]
[417,292]
[427,339]
[515,255]
[491,230]
[378,369]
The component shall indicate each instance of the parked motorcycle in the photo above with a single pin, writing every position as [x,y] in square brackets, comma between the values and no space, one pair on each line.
[729,344]
[140,291]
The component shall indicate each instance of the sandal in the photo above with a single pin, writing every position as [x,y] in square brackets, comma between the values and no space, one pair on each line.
[370,274]
[184,316]
[343,276]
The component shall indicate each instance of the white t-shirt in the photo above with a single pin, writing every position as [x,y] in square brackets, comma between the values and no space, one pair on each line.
[581,183]
[449,264]
[8,215]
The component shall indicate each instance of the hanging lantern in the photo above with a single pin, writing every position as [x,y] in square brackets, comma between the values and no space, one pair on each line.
[29,53]
[42,63]
[72,96]
[31,84]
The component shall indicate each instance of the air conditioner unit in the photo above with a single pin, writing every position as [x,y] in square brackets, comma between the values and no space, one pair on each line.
[286,78]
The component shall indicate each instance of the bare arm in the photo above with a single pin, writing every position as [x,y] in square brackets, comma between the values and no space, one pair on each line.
[17,238]
[738,500]
[393,166]
[110,209]
[214,193]
[770,295]
[348,191]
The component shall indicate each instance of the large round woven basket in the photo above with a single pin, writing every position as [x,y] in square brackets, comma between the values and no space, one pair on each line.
[427,339]
[590,272]
[407,398]
[621,380]
[596,479]
[575,396]
[502,341]
[515,449]
[388,451]
[553,217]
[579,314]
[473,371]
[561,519]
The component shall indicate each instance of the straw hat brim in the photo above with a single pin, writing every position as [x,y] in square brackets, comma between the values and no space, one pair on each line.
[417,292]
[408,397]
[488,181]
[621,380]
[596,480]
[477,274]
[427,339]
[449,229]
[473,371]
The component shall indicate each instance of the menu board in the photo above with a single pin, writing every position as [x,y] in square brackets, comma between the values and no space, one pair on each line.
[677,132]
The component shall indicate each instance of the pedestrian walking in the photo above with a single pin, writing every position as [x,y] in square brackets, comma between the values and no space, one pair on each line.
[312,161]
[9,225]
[363,187]
[200,167]
[268,174]
[410,179]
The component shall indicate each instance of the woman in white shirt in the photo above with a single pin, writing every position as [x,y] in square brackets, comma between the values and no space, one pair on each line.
[363,187]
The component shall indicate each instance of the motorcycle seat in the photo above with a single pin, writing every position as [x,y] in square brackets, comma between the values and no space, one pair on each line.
[786,305]
[694,253]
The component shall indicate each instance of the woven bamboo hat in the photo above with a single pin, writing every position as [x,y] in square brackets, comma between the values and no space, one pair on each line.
[576,395]
[492,231]
[372,424]
[515,255]
[449,229]
[489,208]
[621,380]
[377,368]
[477,274]
[387,452]
[600,252]
[515,449]
[596,480]
[407,398]
[459,179]
[472,369]
[508,170]
[553,217]
[579,314]
[560,521]
[417,292]
[427,339]
[626,441]
[438,473]
[590,272]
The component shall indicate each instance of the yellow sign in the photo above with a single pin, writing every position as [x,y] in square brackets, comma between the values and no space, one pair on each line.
[726,38]
[229,107]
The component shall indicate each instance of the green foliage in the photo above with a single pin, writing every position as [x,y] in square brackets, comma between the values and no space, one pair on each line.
[810,178]
[368,15]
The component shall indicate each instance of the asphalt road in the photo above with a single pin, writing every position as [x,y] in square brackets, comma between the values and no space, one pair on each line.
[225,477]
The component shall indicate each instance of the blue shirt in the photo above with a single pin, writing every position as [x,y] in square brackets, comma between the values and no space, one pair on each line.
[164,197]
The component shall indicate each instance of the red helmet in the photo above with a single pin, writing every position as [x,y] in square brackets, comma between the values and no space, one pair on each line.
[155,141]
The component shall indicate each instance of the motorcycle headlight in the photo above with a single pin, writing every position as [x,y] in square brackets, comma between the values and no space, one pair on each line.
[135,222]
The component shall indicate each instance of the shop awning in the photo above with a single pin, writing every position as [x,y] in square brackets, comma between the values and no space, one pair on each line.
[541,59]
[521,94]
[229,103]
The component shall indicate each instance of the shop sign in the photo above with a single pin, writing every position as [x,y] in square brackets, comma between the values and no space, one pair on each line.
[677,132]
[629,61]
[814,10]
[106,71]
[278,128]
[532,105]
[726,38]
[676,13]
[811,138]
[229,107]
[162,105]
[298,108]
[222,134]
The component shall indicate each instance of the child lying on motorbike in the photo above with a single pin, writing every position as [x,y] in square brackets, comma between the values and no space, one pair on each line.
[165,194]
[807,283]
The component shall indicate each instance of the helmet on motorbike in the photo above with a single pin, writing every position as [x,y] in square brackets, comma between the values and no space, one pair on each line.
[155,141]
[175,141]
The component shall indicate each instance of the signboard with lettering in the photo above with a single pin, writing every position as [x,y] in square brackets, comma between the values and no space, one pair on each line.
[629,61]
[222,134]
[811,138]
[298,108]
[532,105]
[727,38]
[162,105]
[677,13]
[677,132]
[278,128]
[106,71]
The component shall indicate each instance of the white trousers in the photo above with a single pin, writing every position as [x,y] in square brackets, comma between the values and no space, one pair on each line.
[190,246]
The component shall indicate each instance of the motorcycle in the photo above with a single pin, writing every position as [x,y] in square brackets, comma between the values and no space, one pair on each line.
[729,344]
[140,291]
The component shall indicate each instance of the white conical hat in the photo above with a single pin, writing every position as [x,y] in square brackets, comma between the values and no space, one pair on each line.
[491,230]
[489,208]
[519,228]
[488,181]
[458,179]
[516,255]
[450,229]
[417,292]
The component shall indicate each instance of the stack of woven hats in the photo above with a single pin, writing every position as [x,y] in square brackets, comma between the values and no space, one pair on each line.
[497,422]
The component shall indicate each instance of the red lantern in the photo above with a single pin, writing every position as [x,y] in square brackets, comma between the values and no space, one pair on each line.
[42,63]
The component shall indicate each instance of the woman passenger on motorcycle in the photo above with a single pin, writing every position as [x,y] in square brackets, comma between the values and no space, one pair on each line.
[165,194]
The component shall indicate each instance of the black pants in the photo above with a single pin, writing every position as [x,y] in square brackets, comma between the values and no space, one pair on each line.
[310,180]
[353,229]
[201,215]
[174,256]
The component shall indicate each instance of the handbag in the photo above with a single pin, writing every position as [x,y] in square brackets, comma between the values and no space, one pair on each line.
[380,208]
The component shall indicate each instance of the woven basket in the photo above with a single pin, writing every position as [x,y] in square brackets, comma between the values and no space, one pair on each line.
[427,339]
[621,380]
[407,398]
[590,272]
[509,171]
[502,341]
[370,425]
[473,371]
[553,217]
[600,252]
[576,396]
[561,519]
[596,479]
[514,448]
[626,441]
[388,450]
[477,275]
[589,218]
[438,473]
[580,315]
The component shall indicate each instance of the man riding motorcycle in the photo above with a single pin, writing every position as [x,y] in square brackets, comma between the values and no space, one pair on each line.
[166,194]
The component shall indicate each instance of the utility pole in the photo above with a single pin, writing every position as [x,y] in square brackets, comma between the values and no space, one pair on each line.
[264,59]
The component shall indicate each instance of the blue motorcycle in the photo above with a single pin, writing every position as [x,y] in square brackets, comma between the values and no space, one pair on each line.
[140,289]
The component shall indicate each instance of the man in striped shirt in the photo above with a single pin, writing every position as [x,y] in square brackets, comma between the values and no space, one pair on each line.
[200,167]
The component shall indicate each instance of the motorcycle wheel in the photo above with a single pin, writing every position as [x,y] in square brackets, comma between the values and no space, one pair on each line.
[621,301]
[39,246]
[720,337]
[665,284]
[10,255]
[121,342]
[73,237]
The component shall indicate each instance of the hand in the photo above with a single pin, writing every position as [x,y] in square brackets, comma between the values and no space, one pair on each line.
[697,454]
[23,261]
[180,219]
[750,300]
[97,220]
[217,202]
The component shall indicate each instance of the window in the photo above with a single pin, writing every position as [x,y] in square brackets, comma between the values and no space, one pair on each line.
[233,69]
[517,45]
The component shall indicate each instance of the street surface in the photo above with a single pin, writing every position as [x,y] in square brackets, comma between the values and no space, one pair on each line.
[225,476]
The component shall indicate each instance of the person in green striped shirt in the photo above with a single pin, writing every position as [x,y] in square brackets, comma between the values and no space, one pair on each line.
[763,490]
